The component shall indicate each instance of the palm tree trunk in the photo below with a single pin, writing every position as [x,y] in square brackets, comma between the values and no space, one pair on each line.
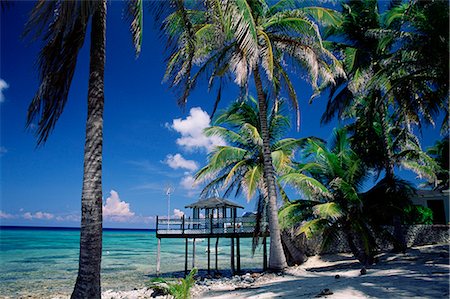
[88,280]
[277,260]
[400,241]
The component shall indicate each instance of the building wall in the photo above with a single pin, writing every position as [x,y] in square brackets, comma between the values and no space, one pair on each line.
[423,196]
[415,235]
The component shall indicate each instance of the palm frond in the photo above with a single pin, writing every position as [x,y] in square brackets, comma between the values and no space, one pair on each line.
[136,16]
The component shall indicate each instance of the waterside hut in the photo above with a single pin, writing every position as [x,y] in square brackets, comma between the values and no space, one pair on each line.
[212,218]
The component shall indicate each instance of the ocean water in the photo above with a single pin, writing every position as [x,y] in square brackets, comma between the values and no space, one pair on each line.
[43,262]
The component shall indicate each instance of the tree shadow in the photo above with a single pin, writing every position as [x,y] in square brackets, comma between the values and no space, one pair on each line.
[422,273]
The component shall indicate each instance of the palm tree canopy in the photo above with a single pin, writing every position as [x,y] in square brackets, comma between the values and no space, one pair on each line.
[238,166]
[219,39]
[62,26]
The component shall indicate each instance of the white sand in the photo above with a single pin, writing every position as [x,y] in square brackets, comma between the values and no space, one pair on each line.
[423,272]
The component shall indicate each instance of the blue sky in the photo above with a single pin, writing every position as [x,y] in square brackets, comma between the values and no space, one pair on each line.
[149,141]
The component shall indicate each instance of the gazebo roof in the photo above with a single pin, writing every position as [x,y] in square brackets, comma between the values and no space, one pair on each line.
[213,203]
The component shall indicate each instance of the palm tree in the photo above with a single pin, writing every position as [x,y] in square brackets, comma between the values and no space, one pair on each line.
[440,154]
[331,181]
[63,26]
[245,38]
[238,166]
[382,111]
[416,73]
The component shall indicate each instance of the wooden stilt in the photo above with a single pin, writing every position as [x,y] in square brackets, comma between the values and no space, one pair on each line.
[193,253]
[217,250]
[238,255]
[233,269]
[264,254]
[158,258]
[186,258]
[209,255]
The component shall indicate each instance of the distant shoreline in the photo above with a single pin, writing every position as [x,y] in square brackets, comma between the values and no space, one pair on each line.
[24,227]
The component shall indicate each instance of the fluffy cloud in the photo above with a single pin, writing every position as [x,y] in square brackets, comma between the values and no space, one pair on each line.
[38,215]
[115,209]
[178,161]
[188,182]
[191,130]
[3,86]
[4,215]
[178,213]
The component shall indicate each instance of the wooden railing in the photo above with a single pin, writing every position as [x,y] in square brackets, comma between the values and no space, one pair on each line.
[213,226]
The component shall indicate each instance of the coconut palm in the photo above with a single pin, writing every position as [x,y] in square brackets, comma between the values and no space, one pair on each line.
[238,166]
[416,73]
[250,39]
[440,154]
[331,180]
[63,28]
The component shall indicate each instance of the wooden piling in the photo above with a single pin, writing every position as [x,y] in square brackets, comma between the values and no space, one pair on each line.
[186,257]
[209,255]
[233,269]
[238,255]
[158,258]
[193,253]
[217,250]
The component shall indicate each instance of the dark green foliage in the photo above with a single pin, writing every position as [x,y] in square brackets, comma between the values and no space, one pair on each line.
[293,213]
[413,214]
[387,199]
[179,289]
[440,153]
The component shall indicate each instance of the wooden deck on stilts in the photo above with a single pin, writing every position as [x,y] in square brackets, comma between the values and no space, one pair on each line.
[234,228]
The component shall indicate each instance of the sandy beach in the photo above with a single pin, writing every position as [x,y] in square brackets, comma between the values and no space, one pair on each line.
[422,272]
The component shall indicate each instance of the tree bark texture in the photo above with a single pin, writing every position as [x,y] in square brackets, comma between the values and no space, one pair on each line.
[277,260]
[88,281]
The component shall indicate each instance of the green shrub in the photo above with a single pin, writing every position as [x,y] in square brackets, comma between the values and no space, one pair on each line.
[179,289]
[417,215]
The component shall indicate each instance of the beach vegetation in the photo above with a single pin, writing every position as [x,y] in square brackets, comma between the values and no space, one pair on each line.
[178,288]
[63,27]
[331,178]
[251,39]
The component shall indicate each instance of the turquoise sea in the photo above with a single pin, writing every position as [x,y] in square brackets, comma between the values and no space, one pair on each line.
[43,262]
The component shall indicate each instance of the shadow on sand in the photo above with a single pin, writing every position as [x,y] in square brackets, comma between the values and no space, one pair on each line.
[420,273]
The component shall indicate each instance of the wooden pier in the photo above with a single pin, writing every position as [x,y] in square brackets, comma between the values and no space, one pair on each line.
[213,225]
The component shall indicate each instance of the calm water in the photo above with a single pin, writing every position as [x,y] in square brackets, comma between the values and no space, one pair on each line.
[44,262]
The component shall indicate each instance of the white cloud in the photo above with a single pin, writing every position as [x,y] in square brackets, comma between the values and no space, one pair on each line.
[70,217]
[178,161]
[4,215]
[188,182]
[3,86]
[38,215]
[178,213]
[191,130]
[115,209]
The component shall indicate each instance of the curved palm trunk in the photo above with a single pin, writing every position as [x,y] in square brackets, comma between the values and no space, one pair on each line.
[277,260]
[88,280]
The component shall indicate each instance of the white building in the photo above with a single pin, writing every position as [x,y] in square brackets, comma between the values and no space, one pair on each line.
[437,201]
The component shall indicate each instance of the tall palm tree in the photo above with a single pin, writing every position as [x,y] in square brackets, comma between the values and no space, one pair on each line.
[245,38]
[331,181]
[63,26]
[238,166]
